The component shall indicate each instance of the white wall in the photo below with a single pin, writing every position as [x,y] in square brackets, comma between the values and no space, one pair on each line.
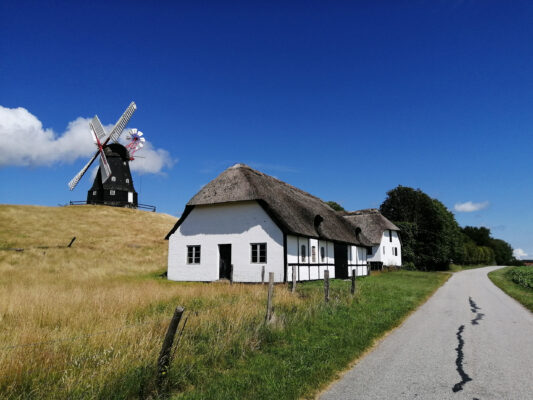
[384,252]
[309,269]
[238,224]
[356,259]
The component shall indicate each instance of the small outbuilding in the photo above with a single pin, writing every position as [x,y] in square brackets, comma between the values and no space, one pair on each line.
[245,223]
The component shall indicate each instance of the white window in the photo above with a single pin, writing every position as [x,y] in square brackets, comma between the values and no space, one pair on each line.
[193,254]
[127,180]
[112,192]
[303,252]
[313,254]
[259,252]
[113,179]
[94,192]
[124,162]
[322,253]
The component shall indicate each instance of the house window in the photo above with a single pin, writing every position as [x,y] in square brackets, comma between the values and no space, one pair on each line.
[303,252]
[259,252]
[390,235]
[124,162]
[127,180]
[112,192]
[113,179]
[94,192]
[396,251]
[322,254]
[313,254]
[383,249]
[369,251]
[193,254]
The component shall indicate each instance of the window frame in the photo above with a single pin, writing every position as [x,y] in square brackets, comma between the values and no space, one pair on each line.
[303,253]
[111,192]
[258,253]
[313,254]
[196,254]
[322,254]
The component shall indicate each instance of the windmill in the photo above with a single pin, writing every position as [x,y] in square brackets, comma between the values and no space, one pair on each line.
[113,184]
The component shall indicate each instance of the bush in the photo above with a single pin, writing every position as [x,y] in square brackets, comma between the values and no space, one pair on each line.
[409,266]
[522,276]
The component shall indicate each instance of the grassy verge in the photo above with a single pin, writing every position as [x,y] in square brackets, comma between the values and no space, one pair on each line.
[502,279]
[315,345]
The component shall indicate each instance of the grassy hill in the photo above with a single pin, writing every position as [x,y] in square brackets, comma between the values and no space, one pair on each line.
[88,321]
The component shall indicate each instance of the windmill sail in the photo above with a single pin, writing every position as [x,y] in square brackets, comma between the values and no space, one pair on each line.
[72,184]
[122,122]
[98,129]
[105,170]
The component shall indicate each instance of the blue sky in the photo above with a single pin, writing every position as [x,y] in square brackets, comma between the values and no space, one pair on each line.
[345,100]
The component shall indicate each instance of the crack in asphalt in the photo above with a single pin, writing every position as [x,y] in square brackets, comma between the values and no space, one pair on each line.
[474,308]
[459,361]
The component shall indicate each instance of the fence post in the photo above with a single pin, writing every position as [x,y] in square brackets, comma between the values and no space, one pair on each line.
[353,282]
[231,274]
[293,289]
[72,241]
[326,285]
[263,275]
[270,295]
[163,362]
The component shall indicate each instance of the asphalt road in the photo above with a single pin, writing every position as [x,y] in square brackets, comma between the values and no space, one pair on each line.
[469,341]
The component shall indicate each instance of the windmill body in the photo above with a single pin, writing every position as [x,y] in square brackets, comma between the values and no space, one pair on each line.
[117,190]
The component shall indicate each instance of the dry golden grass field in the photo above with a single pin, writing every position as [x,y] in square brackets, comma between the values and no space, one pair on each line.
[88,321]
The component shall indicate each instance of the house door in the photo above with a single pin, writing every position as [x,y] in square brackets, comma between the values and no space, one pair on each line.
[224,256]
[341,261]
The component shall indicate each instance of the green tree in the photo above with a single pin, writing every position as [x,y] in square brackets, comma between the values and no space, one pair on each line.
[503,252]
[336,206]
[436,236]
[480,235]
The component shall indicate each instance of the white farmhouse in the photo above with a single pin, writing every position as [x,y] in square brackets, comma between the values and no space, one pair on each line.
[245,222]
[383,234]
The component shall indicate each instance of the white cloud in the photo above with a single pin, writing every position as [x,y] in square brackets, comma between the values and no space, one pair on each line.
[519,253]
[24,142]
[470,207]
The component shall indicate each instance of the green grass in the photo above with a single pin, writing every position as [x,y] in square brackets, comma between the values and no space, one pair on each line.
[503,278]
[303,357]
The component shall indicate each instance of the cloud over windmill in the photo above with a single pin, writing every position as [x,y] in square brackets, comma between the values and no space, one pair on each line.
[26,143]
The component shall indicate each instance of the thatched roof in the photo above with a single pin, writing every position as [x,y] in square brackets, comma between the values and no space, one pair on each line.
[293,210]
[371,222]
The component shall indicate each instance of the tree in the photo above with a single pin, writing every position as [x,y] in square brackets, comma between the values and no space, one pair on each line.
[481,235]
[436,235]
[336,206]
[503,252]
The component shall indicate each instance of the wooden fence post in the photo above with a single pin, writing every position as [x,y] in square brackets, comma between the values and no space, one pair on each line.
[353,282]
[270,295]
[263,275]
[326,285]
[163,362]
[72,241]
[293,289]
